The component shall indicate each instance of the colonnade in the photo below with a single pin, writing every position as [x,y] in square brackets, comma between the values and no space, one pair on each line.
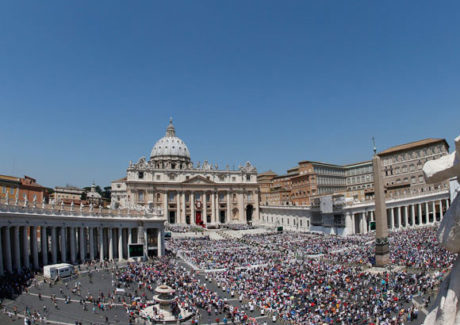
[25,246]
[399,216]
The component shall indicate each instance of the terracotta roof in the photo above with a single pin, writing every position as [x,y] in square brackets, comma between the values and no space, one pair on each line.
[412,145]
[120,180]
[267,173]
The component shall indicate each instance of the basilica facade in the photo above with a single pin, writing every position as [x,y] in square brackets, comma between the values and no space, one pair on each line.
[188,193]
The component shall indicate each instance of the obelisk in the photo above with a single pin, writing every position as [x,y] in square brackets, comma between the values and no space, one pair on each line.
[382,249]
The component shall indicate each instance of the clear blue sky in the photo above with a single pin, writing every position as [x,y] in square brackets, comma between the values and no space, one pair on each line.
[87,86]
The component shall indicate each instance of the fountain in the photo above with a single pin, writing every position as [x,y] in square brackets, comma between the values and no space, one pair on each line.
[166,310]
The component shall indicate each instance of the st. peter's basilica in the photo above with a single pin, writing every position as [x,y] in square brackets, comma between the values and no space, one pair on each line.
[188,193]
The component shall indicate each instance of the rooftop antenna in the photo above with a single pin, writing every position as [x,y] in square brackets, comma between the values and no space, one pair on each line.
[375,148]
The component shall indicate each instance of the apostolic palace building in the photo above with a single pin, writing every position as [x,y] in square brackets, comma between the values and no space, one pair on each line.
[188,193]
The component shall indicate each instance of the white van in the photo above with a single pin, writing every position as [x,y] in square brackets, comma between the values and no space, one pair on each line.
[57,270]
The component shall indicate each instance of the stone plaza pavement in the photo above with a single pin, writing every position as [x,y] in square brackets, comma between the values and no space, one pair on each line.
[73,311]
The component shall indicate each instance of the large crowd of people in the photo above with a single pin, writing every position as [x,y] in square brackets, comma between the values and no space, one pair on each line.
[315,279]
[298,278]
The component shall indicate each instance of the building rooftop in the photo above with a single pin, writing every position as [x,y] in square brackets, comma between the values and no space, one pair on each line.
[412,145]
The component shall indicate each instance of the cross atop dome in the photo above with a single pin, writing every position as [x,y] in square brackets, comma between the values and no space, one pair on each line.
[170,131]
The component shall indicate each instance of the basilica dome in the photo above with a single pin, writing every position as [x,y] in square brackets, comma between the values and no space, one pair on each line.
[170,147]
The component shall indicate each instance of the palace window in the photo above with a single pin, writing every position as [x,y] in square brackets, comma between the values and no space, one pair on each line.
[141,195]
[171,196]
[248,178]
[140,175]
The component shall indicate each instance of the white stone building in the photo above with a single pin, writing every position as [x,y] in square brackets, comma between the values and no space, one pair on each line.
[188,193]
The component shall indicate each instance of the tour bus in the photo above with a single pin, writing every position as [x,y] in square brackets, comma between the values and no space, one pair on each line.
[57,270]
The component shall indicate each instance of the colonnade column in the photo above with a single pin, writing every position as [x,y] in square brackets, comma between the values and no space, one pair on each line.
[91,243]
[44,242]
[348,223]
[434,211]
[8,260]
[82,239]
[412,214]
[120,244]
[441,214]
[159,242]
[130,236]
[353,223]
[101,243]
[72,245]
[25,241]
[63,245]
[213,207]
[406,217]
[399,210]
[205,212]
[392,219]
[110,234]
[447,204]
[34,244]
[53,245]
[17,254]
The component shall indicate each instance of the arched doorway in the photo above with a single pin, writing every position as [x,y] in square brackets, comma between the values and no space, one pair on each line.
[249,211]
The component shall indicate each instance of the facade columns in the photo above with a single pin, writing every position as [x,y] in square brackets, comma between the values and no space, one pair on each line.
[91,243]
[54,244]
[412,214]
[72,245]
[192,208]
[165,206]
[427,213]
[110,235]
[8,260]
[229,208]
[17,253]
[44,242]
[447,204]
[434,211]
[241,206]
[420,221]
[399,210]
[34,243]
[120,244]
[406,217]
[63,245]
[25,241]
[205,210]
[213,207]
[82,239]
[178,212]
[183,208]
